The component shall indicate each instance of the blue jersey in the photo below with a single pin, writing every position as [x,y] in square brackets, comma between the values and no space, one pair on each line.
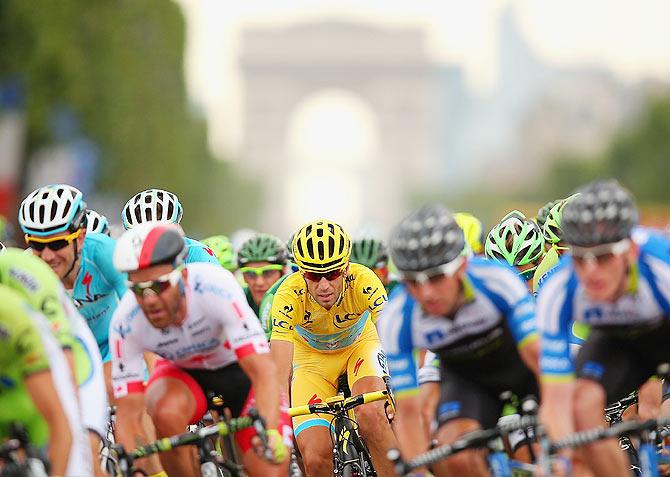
[498,316]
[563,301]
[98,287]
[199,252]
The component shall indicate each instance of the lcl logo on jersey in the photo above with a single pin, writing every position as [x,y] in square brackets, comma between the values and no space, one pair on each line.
[344,319]
[307,319]
[286,310]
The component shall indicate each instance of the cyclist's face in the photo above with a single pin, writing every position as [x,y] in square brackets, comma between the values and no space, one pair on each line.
[161,309]
[606,278]
[61,260]
[326,292]
[259,284]
[440,294]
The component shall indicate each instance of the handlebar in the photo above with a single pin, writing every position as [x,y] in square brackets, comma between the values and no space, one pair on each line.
[339,403]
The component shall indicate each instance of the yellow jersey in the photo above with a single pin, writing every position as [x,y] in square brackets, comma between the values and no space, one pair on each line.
[298,318]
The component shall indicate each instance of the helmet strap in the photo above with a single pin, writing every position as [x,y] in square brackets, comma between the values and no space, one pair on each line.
[77,255]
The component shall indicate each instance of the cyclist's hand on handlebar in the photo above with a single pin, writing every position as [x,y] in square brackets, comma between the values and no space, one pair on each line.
[272,447]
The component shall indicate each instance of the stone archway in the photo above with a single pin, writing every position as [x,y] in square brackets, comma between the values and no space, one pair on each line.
[388,69]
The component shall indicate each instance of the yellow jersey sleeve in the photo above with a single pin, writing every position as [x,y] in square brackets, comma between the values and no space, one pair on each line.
[368,290]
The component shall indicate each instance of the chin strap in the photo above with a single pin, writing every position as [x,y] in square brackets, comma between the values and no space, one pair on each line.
[76,257]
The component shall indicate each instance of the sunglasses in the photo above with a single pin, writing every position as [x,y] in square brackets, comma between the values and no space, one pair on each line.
[433,274]
[58,243]
[157,286]
[266,271]
[528,274]
[330,276]
[599,253]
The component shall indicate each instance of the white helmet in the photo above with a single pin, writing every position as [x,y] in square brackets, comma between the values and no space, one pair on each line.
[96,223]
[52,209]
[151,205]
[146,245]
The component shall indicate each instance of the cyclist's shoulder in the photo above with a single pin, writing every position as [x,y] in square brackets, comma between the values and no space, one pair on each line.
[199,252]
[292,285]
[27,271]
[488,271]
[205,278]
[17,324]
[493,279]
[97,244]
[652,243]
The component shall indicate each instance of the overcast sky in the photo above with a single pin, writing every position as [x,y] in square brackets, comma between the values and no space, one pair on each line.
[629,37]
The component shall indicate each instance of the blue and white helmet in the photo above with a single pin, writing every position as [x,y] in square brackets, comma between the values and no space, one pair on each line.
[151,205]
[52,209]
[96,223]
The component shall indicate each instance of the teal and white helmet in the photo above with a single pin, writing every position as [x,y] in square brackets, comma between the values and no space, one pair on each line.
[52,209]
[151,205]
[516,240]
[96,223]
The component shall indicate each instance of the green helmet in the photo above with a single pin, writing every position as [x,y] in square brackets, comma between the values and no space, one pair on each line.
[262,248]
[543,212]
[224,251]
[516,240]
[370,252]
[552,226]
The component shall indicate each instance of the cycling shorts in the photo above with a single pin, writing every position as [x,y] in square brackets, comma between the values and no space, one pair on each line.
[315,375]
[233,385]
[621,359]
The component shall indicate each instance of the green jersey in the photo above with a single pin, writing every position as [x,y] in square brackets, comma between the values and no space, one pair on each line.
[22,354]
[34,280]
[266,306]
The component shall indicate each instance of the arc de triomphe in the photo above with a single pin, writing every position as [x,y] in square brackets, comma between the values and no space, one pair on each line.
[387,68]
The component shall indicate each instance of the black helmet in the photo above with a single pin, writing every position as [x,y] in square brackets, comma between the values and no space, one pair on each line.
[604,212]
[426,238]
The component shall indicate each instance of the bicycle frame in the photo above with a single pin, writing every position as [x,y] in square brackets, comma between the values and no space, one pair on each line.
[343,433]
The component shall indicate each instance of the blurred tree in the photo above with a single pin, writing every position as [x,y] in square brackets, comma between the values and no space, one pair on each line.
[119,65]
[638,155]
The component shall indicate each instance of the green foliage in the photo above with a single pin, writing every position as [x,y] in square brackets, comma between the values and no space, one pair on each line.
[638,155]
[119,65]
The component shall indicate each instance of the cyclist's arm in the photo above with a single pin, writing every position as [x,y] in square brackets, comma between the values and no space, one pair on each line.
[521,320]
[530,354]
[409,427]
[262,372]
[282,355]
[371,293]
[41,388]
[129,430]
[556,367]
[247,339]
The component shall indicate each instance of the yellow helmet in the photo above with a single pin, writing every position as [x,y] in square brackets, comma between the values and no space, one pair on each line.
[472,229]
[321,246]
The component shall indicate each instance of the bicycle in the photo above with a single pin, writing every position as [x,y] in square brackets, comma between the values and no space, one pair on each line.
[351,457]
[19,457]
[614,415]
[220,429]
[500,465]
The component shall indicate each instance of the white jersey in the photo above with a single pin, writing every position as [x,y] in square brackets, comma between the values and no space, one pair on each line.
[79,462]
[92,390]
[219,329]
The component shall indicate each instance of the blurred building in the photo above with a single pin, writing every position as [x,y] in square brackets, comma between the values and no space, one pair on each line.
[386,73]
[537,112]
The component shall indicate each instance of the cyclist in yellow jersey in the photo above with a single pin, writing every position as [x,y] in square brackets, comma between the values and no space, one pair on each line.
[322,327]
